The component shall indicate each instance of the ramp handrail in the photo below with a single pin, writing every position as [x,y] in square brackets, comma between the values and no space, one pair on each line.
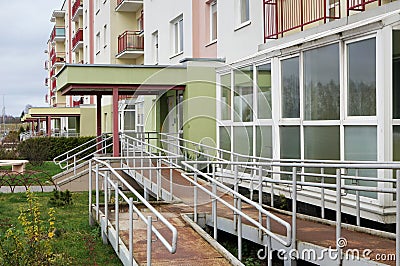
[286,242]
[63,160]
[107,169]
[294,184]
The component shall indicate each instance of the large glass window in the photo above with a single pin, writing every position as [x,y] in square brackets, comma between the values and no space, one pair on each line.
[322,142]
[226,98]
[264,141]
[243,140]
[213,20]
[290,142]
[360,144]
[290,88]
[361,78]
[264,92]
[321,83]
[396,88]
[178,35]
[244,10]
[129,118]
[225,141]
[243,95]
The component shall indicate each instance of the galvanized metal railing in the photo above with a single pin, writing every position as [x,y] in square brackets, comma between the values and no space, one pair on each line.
[265,171]
[75,156]
[101,168]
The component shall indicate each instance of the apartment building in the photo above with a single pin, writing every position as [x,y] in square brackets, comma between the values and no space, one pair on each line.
[322,86]
[306,80]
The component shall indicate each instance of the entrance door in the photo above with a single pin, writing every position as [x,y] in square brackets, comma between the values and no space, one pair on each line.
[171,124]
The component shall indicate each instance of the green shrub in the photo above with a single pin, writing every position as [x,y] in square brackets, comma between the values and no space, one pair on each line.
[38,150]
[60,198]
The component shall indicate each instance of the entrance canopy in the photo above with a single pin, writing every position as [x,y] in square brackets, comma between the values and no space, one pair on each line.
[80,79]
[41,112]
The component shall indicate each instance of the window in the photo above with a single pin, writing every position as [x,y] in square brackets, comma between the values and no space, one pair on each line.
[98,43]
[321,83]
[290,88]
[244,10]
[243,140]
[155,47]
[264,92]
[264,141]
[177,27]
[105,35]
[226,98]
[97,6]
[213,21]
[225,141]
[361,81]
[243,95]
[140,22]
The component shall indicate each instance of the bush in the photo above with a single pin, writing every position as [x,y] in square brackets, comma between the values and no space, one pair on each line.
[31,242]
[60,198]
[38,150]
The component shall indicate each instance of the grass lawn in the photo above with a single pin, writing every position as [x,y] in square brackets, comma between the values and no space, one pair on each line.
[77,240]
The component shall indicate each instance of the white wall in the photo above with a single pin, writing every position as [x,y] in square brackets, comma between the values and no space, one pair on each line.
[235,42]
[101,18]
[158,15]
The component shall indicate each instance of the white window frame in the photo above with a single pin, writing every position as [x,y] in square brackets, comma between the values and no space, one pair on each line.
[212,22]
[105,40]
[244,11]
[97,42]
[177,35]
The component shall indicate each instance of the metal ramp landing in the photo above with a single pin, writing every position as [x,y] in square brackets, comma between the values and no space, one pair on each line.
[192,249]
[143,232]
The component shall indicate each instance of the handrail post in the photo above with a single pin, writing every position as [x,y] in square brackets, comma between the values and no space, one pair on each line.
[116,212]
[159,186]
[358,209]
[105,232]
[322,193]
[131,230]
[74,164]
[338,213]
[170,180]
[97,194]
[214,204]
[239,230]
[235,198]
[149,239]
[260,188]
[294,206]
[91,222]
[195,194]
[397,217]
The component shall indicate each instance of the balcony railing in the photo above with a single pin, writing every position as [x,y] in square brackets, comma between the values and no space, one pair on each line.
[130,41]
[75,7]
[58,58]
[78,37]
[52,72]
[359,5]
[281,16]
[57,32]
[53,84]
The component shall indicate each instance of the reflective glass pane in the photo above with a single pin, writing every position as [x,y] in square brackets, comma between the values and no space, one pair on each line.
[396,87]
[264,141]
[290,142]
[264,91]
[243,95]
[225,141]
[355,149]
[362,78]
[243,140]
[129,120]
[321,83]
[290,88]
[226,99]
[321,143]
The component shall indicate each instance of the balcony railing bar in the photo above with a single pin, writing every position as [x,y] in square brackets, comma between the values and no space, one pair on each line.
[130,41]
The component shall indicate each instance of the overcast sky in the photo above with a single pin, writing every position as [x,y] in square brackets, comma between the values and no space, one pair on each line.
[24,31]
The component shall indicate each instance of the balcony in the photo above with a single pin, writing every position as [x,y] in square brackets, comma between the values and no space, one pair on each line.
[77,40]
[53,84]
[130,44]
[283,16]
[58,59]
[58,34]
[129,5]
[57,14]
[77,10]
